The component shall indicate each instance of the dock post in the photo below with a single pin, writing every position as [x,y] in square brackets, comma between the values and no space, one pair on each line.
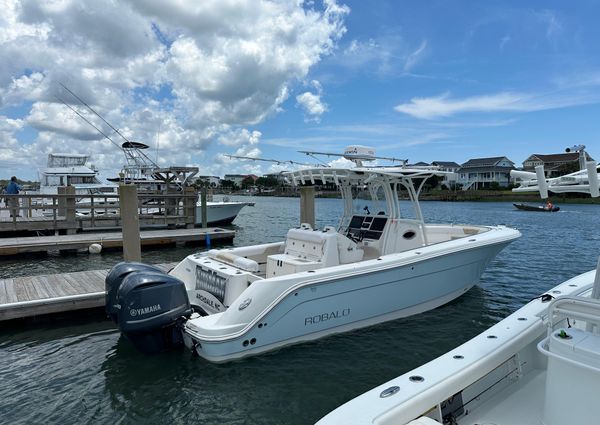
[66,207]
[62,201]
[307,205]
[189,200]
[204,207]
[128,202]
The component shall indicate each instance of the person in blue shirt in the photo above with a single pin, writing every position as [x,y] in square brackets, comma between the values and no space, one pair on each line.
[12,188]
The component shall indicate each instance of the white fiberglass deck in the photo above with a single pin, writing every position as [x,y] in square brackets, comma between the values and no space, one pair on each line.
[508,408]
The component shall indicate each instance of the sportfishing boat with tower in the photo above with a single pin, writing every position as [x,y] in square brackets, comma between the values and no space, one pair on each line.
[370,268]
[539,366]
[149,177]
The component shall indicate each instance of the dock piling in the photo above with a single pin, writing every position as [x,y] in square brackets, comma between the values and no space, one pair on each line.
[204,207]
[131,224]
[307,205]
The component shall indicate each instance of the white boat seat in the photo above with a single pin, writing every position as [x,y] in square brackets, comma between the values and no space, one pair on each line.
[312,245]
[230,258]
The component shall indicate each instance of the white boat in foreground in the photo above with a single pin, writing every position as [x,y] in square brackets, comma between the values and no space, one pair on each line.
[370,269]
[539,366]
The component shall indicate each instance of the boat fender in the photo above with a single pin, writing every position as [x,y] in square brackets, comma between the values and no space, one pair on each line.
[95,248]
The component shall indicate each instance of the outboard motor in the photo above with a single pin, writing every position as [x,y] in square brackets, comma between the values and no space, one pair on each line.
[151,309]
[113,281]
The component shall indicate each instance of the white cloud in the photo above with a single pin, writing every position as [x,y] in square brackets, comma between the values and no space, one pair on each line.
[415,57]
[444,106]
[388,54]
[312,104]
[191,72]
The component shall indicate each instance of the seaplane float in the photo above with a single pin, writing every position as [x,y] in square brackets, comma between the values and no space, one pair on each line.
[230,303]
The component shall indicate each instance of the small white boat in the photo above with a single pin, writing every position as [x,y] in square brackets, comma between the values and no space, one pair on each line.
[220,212]
[540,365]
[370,269]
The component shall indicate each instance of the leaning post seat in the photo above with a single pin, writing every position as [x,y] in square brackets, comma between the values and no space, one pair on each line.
[312,245]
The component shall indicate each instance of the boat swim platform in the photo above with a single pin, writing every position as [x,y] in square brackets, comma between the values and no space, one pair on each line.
[32,296]
[31,244]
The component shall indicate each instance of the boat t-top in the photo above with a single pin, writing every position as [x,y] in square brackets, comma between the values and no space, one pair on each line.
[369,268]
[538,366]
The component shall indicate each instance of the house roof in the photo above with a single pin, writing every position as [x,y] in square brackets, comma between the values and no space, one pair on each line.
[485,169]
[419,164]
[558,157]
[484,162]
[448,164]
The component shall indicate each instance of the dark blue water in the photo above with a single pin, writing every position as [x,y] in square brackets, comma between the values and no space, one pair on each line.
[81,371]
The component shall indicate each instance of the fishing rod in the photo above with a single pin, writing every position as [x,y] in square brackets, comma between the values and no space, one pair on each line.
[88,121]
[132,150]
[95,113]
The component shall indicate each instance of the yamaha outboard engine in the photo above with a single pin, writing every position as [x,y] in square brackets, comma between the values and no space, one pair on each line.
[113,281]
[151,307]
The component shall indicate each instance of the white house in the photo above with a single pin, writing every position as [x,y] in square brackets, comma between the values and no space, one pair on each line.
[480,173]
[450,180]
[556,164]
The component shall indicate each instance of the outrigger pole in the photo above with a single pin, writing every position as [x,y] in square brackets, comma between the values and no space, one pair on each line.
[276,161]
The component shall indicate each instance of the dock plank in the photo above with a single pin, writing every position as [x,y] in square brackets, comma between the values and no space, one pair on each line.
[11,294]
[13,246]
[20,290]
[53,293]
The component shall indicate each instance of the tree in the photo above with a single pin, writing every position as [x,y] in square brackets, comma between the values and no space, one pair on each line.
[247,182]
[228,184]
[269,181]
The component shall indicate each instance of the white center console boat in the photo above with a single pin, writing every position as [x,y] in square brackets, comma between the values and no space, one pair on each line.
[539,366]
[369,269]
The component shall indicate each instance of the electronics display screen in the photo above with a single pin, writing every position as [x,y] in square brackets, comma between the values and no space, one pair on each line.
[366,226]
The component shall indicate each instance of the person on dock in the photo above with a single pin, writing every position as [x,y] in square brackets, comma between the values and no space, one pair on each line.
[13,188]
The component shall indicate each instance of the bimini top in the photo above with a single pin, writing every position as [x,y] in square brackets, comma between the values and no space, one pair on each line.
[386,180]
[362,175]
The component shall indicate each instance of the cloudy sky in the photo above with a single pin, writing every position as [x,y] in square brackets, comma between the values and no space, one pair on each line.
[428,80]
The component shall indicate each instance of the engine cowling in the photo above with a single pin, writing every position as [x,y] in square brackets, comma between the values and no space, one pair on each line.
[149,307]
[114,279]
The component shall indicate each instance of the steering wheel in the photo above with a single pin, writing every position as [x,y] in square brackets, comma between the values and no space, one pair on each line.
[356,238]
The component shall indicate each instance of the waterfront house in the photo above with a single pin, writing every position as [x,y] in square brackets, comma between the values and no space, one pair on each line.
[556,164]
[485,173]
[450,180]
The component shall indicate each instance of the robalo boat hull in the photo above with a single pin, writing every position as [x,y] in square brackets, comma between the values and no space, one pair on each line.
[314,308]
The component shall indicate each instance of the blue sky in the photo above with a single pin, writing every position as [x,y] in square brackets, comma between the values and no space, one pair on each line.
[430,80]
[545,61]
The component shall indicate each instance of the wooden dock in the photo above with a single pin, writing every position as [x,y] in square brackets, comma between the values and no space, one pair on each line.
[26,297]
[14,246]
